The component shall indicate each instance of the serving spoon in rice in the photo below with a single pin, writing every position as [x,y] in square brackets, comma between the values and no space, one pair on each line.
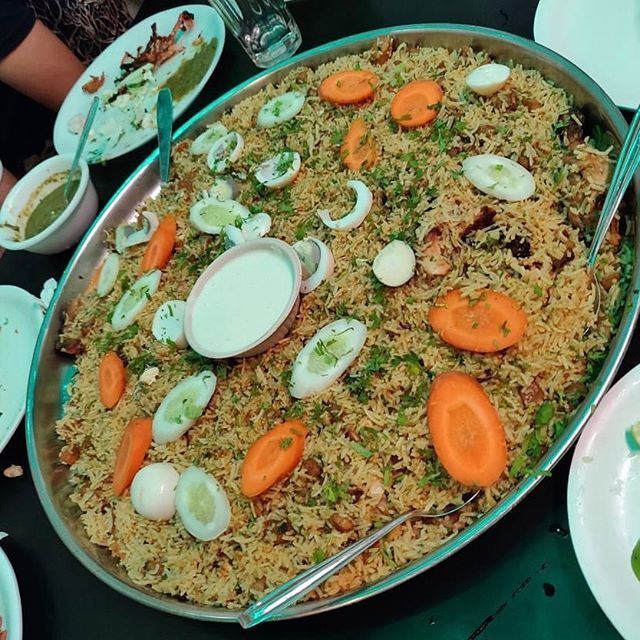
[292,590]
[627,165]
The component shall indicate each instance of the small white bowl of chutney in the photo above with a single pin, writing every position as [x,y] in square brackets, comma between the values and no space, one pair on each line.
[246,301]
[34,215]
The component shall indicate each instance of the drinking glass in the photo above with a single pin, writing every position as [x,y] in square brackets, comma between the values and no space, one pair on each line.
[265,28]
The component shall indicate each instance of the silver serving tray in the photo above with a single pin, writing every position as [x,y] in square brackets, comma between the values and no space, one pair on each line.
[50,370]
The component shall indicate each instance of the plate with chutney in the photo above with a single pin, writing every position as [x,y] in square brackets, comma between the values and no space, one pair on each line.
[178,48]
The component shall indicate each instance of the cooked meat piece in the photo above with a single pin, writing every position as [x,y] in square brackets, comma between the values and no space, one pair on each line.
[614,232]
[609,280]
[15,471]
[483,220]
[94,84]
[159,49]
[524,161]
[520,247]
[70,346]
[382,49]
[510,99]
[595,170]
[281,529]
[532,394]
[573,132]
[432,260]
[356,493]
[312,467]
[487,129]
[567,256]
[341,523]
[68,455]
[452,152]
[532,104]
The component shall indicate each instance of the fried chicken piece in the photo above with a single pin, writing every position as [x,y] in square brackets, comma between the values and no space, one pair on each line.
[94,84]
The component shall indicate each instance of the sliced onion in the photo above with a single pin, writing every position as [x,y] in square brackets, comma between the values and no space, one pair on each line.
[134,300]
[182,406]
[207,138]
[317,262]
[499,177]
[355,217]
[280,109]
[168,323]
[225,151]
[130,235]
[395,264]
[212,215]
[202,504]
[488,78]
[108,274]
[280,170]
[326,356]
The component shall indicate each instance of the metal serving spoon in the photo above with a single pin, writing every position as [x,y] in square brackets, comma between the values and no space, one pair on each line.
[292,590]
[627,165]
[84,136]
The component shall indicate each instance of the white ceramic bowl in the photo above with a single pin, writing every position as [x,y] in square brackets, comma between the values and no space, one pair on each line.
[265,339]
[70,225]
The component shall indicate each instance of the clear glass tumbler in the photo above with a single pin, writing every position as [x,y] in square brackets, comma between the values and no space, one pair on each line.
[265,28]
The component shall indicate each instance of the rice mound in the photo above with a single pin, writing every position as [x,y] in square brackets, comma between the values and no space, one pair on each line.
[380,402]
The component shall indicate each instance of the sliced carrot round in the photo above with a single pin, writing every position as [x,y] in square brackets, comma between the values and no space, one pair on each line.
[348,87]
[416,103]
[272,457]
[487,323]
[466,431]
[111,379]
[160,246]
[358,148]
[135,442]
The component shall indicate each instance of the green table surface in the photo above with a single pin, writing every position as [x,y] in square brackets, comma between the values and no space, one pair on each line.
[520,580]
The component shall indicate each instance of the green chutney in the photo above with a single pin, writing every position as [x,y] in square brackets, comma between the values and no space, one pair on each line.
[635,560]
[191,71]
[49,209]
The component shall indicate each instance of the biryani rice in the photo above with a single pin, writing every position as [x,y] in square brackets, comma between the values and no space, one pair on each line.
[417,186]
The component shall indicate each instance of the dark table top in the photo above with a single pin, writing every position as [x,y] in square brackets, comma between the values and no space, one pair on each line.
[519,580]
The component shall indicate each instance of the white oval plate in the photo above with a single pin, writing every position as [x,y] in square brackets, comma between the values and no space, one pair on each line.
[603,501]
[602,38]
[206,22]
[21,315]
[10,605]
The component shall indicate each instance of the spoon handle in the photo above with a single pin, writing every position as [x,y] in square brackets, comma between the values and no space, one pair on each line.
[626,167]
[88,123]
[164,116]
[292,590]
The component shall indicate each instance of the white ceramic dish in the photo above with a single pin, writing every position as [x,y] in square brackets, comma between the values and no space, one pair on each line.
[603,500]
[21,315]
[70,225]
[602,38]
[206,22]
[217,346]
[10,605]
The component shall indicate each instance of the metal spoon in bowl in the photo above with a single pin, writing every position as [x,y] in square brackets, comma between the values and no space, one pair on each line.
[627,165]
[292,590]
[84,136]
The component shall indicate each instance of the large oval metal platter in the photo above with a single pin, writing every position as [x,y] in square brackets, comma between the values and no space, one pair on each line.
[51,370]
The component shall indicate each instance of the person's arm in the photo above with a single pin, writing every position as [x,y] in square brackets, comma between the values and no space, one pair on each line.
[7,180]
[41,67]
